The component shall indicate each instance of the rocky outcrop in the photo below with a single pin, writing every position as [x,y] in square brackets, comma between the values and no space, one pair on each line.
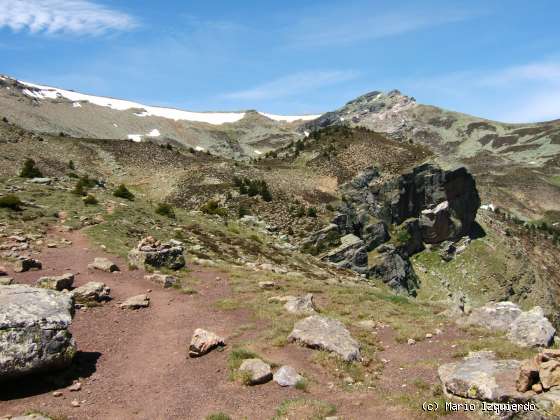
[428,205]
[203,342]
[328,334]
[526,329]
[154,253]
[34,334]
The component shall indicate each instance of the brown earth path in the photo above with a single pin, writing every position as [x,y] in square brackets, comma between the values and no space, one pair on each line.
[133,364]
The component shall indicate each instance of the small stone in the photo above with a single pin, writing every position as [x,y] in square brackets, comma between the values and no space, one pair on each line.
[162,279]
[438,331]
[136,302]
[3,271]
[549,374]
[51,245]
[75,387]
[302,305]
[287,376]
[57,394]
[6,281]
[56,283]
[203,342]
[27,264]
[267,285]
[367,324]
[429,335]
[218,278]
[103,264]
[75,403]
[537,388]
[411,341]
[259,372]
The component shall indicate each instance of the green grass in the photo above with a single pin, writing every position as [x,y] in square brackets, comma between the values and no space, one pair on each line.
[218,416]
[304,409]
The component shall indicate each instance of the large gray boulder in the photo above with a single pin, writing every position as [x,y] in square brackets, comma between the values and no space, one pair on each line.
[532,329]
[203,342]
[328,334]
[497,316]
[481,376]
[136,302]
[34,334]
[153,253]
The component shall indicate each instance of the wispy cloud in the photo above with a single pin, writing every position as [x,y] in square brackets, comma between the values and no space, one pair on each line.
[521,93]
[78,17]
[347,26]
[292,85]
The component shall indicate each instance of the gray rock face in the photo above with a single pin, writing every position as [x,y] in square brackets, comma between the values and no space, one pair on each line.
[163,280]
[532,329]
[203,342]
[351,253]
[34,334]
[480,376]
[396,272]
[328,334]
[103,264]
[259,372]
[151,252]
[495,315]
[136,302]
[27,264]
[57,282]
[302,305]
[91,293]
[287,376]
[323,239]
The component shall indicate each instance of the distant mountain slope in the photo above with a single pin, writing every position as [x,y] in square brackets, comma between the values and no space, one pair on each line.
[52,110]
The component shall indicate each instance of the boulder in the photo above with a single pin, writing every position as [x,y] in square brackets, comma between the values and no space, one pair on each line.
[498,316]
[3,271]
[396,272]
[136,302]
[258,371]
[91,293]
[267,285]
[481,376]
[323,239]
[163,280]
[350,254]
[549,374]
[153,253]
[57,282]
[34,334]
[328,334]
[26,264]
[103,264]
[532,329]
[302,305]
[436,224]
[287,376]
[203,342]
[6,281]
[374,234]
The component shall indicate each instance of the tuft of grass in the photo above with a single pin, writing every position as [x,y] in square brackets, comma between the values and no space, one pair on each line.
[164,209]
[29,170]
[235,359]
[218,416]
[302,408]
[90,200]
[123,192]
[302,385]
[10,201]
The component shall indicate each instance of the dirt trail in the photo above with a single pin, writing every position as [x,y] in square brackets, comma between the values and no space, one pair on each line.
[134,364]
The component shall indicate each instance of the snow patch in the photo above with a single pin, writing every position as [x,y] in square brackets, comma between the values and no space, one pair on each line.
[154,133]
[290,118]
[77,105]
[137,138]
[490,207]
[46,92]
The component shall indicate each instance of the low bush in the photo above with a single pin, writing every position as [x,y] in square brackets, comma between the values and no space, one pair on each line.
[11,202]
[29,170]
[123,192]
[164,209]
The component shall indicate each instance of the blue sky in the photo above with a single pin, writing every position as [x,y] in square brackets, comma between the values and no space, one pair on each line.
[495,59]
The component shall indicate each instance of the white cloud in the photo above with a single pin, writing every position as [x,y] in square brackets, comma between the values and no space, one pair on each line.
[79,17]
[347,25]
[293,85]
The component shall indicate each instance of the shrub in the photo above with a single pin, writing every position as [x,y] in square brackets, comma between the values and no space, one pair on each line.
[29,170]
[218,416]
[311,212]
[253,187]
[243,211]
[71,165]
[4,119]
[90,200]
[164,209]
[123,192]
[212,207]
[83,184]
[11,202]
